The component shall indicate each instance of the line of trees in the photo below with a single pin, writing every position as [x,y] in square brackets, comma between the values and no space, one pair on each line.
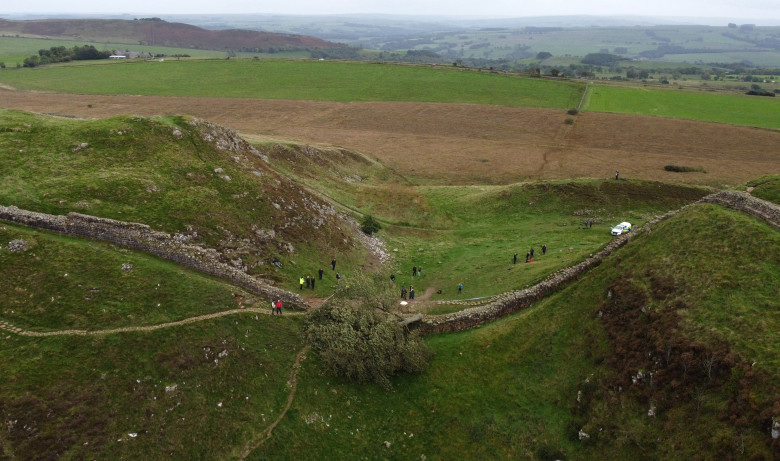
[62,54]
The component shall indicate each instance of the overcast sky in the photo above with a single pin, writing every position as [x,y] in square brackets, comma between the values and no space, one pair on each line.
[763,12]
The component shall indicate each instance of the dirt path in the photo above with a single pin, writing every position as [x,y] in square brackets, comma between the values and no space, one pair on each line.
[258,441]
[428,292]
[199,318]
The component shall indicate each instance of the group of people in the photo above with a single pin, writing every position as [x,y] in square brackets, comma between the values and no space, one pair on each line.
[310,281]
[416,272]
[529,257]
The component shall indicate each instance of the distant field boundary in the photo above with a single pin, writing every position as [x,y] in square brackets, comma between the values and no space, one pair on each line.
[514,301]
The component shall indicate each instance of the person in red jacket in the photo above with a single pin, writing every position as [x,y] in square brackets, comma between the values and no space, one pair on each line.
[279,306]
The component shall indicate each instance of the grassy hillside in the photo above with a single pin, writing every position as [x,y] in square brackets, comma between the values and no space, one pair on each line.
[77,396]
[162,172]
[176,175]
[311,80]
[156,32]
[676,43]
[62,283]
[509,389]
[767,188]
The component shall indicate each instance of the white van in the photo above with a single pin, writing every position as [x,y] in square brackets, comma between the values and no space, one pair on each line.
[621,228]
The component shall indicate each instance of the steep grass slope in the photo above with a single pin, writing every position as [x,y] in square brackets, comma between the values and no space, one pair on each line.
[178,175]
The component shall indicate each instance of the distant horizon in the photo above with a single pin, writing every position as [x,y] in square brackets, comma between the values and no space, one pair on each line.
[660,20]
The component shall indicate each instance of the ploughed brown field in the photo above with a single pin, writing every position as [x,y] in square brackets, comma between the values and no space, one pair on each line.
[465,144]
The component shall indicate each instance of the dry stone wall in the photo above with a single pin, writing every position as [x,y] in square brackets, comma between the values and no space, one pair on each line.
[740,201]
[143,238]
[514,301]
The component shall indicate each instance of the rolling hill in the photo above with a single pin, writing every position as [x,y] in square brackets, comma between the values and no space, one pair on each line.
[665,350]
[141,375]
[156,32]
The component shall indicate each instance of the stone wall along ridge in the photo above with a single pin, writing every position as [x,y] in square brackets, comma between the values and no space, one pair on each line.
[143,238]
[514,301]
[762,209]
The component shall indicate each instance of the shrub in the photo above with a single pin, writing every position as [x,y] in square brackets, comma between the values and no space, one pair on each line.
[760,93]
[682,169]
[569,121]
[359,340]
[572,111]
[369,225]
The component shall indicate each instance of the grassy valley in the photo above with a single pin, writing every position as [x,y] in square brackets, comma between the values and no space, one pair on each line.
[510,389]
[497,391]
[666,350]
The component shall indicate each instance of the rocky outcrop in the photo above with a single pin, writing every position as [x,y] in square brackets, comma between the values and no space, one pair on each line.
[143,238]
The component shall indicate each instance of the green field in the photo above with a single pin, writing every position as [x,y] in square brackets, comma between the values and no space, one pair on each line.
[14,50]
[470,234]
[755,111]
[355,81]
[310,80]
[89,275]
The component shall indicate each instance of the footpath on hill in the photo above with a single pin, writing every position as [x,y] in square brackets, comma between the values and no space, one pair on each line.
[198,318]
[499,306]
